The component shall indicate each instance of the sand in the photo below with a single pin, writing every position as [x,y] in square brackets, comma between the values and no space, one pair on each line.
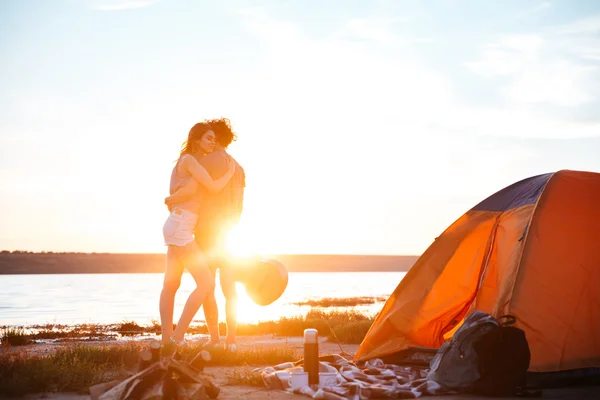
[241,392]
[238,392]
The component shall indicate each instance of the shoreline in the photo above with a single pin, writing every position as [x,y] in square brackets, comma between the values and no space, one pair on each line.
[28,263]
[244,342]
[326,305]
[346,326]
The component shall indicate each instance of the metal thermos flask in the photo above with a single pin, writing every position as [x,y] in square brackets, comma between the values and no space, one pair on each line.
[311,355]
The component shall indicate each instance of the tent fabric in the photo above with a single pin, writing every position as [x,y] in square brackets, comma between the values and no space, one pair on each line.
[518,194]
[531,250]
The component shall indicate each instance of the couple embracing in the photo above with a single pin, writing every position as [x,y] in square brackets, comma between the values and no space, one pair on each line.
[206,199]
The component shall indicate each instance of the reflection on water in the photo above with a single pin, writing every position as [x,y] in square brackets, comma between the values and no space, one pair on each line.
[110,298]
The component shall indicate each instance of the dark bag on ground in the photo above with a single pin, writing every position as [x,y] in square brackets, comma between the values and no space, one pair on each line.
[503,360]
[484,356]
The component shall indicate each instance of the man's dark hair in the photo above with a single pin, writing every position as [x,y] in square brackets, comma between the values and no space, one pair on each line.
[223,132]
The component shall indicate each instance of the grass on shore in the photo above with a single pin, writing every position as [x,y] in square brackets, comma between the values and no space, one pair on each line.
[14,336]
[348,326]
[79,332]
[244,376]
[77,367]
[340,302]
[68,369]
[24,335]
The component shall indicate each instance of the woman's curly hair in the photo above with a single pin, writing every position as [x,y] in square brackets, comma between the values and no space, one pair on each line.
[223,132]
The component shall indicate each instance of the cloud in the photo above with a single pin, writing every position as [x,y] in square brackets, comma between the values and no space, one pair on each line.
[382,29]
[560,82]
[319,70]
[116,5]
[557,67]
[507,56]
[347,87]
[518,122]
[589,25]
[538,8]
[538,73]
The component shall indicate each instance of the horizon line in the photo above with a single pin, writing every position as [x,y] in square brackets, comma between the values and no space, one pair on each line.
[261,255]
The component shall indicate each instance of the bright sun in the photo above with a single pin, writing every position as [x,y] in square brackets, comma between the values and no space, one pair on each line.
[239,242]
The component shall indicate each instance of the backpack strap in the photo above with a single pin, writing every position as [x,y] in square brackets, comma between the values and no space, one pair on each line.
[510,320]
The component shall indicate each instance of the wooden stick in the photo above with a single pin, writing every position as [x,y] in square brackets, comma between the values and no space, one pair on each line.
[192,391]
[122,389]
[155,350]
[199,361]
[145,359]
[189,373]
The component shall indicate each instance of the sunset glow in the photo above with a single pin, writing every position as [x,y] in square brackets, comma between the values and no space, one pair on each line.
[241,242]
[182,179]
[366,130]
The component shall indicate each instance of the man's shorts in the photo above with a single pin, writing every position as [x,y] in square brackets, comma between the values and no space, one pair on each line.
[211,241]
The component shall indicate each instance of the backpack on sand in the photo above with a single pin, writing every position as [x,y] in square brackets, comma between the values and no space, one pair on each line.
[484,356]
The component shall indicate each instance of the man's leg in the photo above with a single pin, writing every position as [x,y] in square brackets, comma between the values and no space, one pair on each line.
[205,238]
[211,313]
[227,280]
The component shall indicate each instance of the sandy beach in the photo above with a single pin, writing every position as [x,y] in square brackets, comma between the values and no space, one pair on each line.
[230,390]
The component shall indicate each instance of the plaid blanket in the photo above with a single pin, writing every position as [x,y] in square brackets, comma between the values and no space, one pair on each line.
[369,380]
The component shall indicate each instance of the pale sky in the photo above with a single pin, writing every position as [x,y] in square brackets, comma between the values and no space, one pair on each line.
[365,127]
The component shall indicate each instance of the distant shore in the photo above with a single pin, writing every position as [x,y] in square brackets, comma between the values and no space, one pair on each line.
[18,262]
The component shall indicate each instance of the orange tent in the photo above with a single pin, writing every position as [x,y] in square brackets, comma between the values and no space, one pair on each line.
[531,250]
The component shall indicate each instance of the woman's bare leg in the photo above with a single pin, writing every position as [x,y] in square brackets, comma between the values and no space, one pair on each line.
[171,283]
[195,262]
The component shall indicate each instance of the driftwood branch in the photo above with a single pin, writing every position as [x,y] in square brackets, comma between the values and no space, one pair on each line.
[161,378]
